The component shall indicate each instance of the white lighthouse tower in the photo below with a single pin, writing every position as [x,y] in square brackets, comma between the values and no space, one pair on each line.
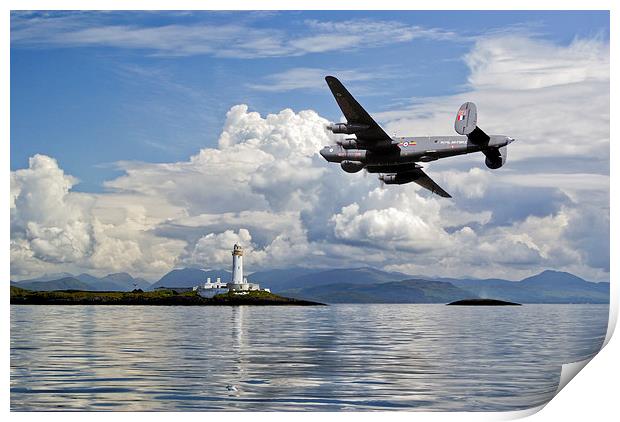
[237,266]
[238,282]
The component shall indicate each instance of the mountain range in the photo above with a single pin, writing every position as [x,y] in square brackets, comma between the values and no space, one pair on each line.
[188,277]
[370,285]
[355,285]
[64,281]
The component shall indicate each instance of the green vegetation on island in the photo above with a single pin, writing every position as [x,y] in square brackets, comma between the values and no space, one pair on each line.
[161,297]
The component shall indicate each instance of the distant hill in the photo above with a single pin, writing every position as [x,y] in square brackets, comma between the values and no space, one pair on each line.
[546,287]
[354,276]
[101,284]
[405,291]
[189,277]
[87,278]
[49,277]
[112,282]
[125,281]
[66,283]
[279,279]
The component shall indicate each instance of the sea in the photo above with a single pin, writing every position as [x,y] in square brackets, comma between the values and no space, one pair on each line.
[404,357]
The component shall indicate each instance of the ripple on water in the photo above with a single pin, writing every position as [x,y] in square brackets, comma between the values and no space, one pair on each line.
[341,357]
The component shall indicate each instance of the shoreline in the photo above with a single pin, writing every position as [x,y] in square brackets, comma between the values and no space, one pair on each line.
[167,297]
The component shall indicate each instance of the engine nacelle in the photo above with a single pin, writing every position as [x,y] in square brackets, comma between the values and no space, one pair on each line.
[352,166]
[494,163]
[346,128]
[348,143]
[497,158]
[388,179]
[398,178]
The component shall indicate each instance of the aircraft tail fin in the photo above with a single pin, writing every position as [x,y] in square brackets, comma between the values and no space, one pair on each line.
[466,119]
[466,124]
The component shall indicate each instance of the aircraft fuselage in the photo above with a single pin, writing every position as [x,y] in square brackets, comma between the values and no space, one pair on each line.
[405,151]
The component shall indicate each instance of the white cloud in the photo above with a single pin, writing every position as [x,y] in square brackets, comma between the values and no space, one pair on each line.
[262,164]
[472,183]
[266,166]
[514,251]
[265,187]
[378,32]
[392,220]
[205,38]
[308,78]
[52,226]
[46,215]
[215,248]
[519,63]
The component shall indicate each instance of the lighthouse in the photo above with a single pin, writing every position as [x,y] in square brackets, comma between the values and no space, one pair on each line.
[238,285]
[237,266]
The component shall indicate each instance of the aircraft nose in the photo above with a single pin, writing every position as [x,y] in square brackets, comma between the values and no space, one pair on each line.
[326,152]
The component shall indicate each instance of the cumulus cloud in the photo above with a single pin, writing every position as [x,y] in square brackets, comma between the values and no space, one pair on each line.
[43,212]
[261,177]
[391,220]
[471,184]
[53,227]
[266,187]
[518,250]
[215,248]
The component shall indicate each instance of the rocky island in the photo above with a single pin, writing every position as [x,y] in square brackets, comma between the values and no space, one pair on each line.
[483,302]
[162,297]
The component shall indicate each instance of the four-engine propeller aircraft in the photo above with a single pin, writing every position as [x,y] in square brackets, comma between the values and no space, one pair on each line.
[395,159]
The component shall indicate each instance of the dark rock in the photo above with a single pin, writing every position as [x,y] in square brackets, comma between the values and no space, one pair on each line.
[483,302]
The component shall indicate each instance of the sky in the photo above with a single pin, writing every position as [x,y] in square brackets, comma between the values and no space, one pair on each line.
[146,141]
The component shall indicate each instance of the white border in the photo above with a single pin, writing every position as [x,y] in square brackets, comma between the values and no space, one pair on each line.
[593,394]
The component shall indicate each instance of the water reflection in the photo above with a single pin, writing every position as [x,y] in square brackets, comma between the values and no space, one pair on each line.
[343,357]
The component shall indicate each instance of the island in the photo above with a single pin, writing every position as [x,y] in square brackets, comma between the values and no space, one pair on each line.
[162,297]
[483,302]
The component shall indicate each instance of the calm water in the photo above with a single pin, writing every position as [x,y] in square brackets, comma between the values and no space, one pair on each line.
[341,357]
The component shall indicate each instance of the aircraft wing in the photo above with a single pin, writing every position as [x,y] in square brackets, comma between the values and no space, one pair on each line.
[426,182]
[356,114]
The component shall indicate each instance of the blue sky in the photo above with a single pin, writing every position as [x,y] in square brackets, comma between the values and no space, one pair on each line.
[145,141]
[90,104]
